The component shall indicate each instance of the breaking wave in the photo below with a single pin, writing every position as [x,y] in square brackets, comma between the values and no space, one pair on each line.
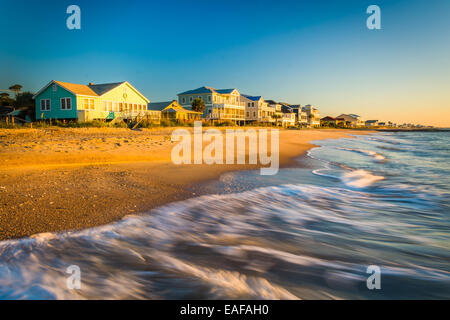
[302,240]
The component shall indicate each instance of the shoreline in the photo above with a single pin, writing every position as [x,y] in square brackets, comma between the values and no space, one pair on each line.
[56,180]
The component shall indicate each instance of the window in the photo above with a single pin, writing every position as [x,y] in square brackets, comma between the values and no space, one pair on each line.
[110,106]
[88,104]
[183,100]
[104,106]
[190,99]
[209,98]
[54,87]
[45,105]
[66,104]
[120,107]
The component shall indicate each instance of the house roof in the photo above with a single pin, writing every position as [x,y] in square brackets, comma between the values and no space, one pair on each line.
[167,105]
[206,89]
[253,98]
[103,88]
[286,109]
[159,106]
[346,117]
[271,102]
[80,89]
[328,118]
[200,90]
[371,121]
[94,90]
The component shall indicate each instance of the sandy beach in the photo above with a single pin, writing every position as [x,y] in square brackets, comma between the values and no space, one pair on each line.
[60,179]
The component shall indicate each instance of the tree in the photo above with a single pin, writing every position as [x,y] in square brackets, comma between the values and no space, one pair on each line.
[24,99]
[25,102]
[16,88]
[5,99]
[198,105]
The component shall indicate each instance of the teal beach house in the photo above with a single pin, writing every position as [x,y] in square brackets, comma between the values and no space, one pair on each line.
[70,101]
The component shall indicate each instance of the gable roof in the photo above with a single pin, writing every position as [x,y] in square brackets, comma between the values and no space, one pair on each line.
[287,109]
[253,98]
[159,106]
[80,89]
[347,117]
[200,90]
[206,89]
[169,105]
[94,90]
[103,88]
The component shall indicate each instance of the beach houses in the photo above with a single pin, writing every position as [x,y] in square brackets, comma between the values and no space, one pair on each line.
[371,123]
[107,101]
[172,110]
[220,104]
[347,120]
[359,121]
[302,116]
[278,115]
[257,110]
[313,115]
[328,120]
[289,118]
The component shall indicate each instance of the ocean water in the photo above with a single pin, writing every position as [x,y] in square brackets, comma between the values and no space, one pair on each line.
[310,233]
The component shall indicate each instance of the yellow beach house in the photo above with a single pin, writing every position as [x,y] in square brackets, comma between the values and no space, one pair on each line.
[172,110]
[70,101]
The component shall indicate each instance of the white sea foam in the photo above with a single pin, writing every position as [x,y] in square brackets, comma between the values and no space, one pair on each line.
[283,242]
[360,179]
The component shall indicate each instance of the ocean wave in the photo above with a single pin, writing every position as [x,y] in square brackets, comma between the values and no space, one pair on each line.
[373,154]
[268,243]
[360,179]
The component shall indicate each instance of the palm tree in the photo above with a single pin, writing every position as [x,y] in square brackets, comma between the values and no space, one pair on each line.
[198,105]
[16,88]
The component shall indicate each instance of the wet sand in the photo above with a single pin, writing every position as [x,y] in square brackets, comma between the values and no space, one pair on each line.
[59,179]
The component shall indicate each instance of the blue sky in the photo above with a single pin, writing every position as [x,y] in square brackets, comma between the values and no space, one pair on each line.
[317,52]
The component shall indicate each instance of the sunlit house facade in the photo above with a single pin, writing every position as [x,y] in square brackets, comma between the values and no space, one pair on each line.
[220,104]
[63,100]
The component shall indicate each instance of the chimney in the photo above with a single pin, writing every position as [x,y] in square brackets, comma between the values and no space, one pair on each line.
[91,84]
